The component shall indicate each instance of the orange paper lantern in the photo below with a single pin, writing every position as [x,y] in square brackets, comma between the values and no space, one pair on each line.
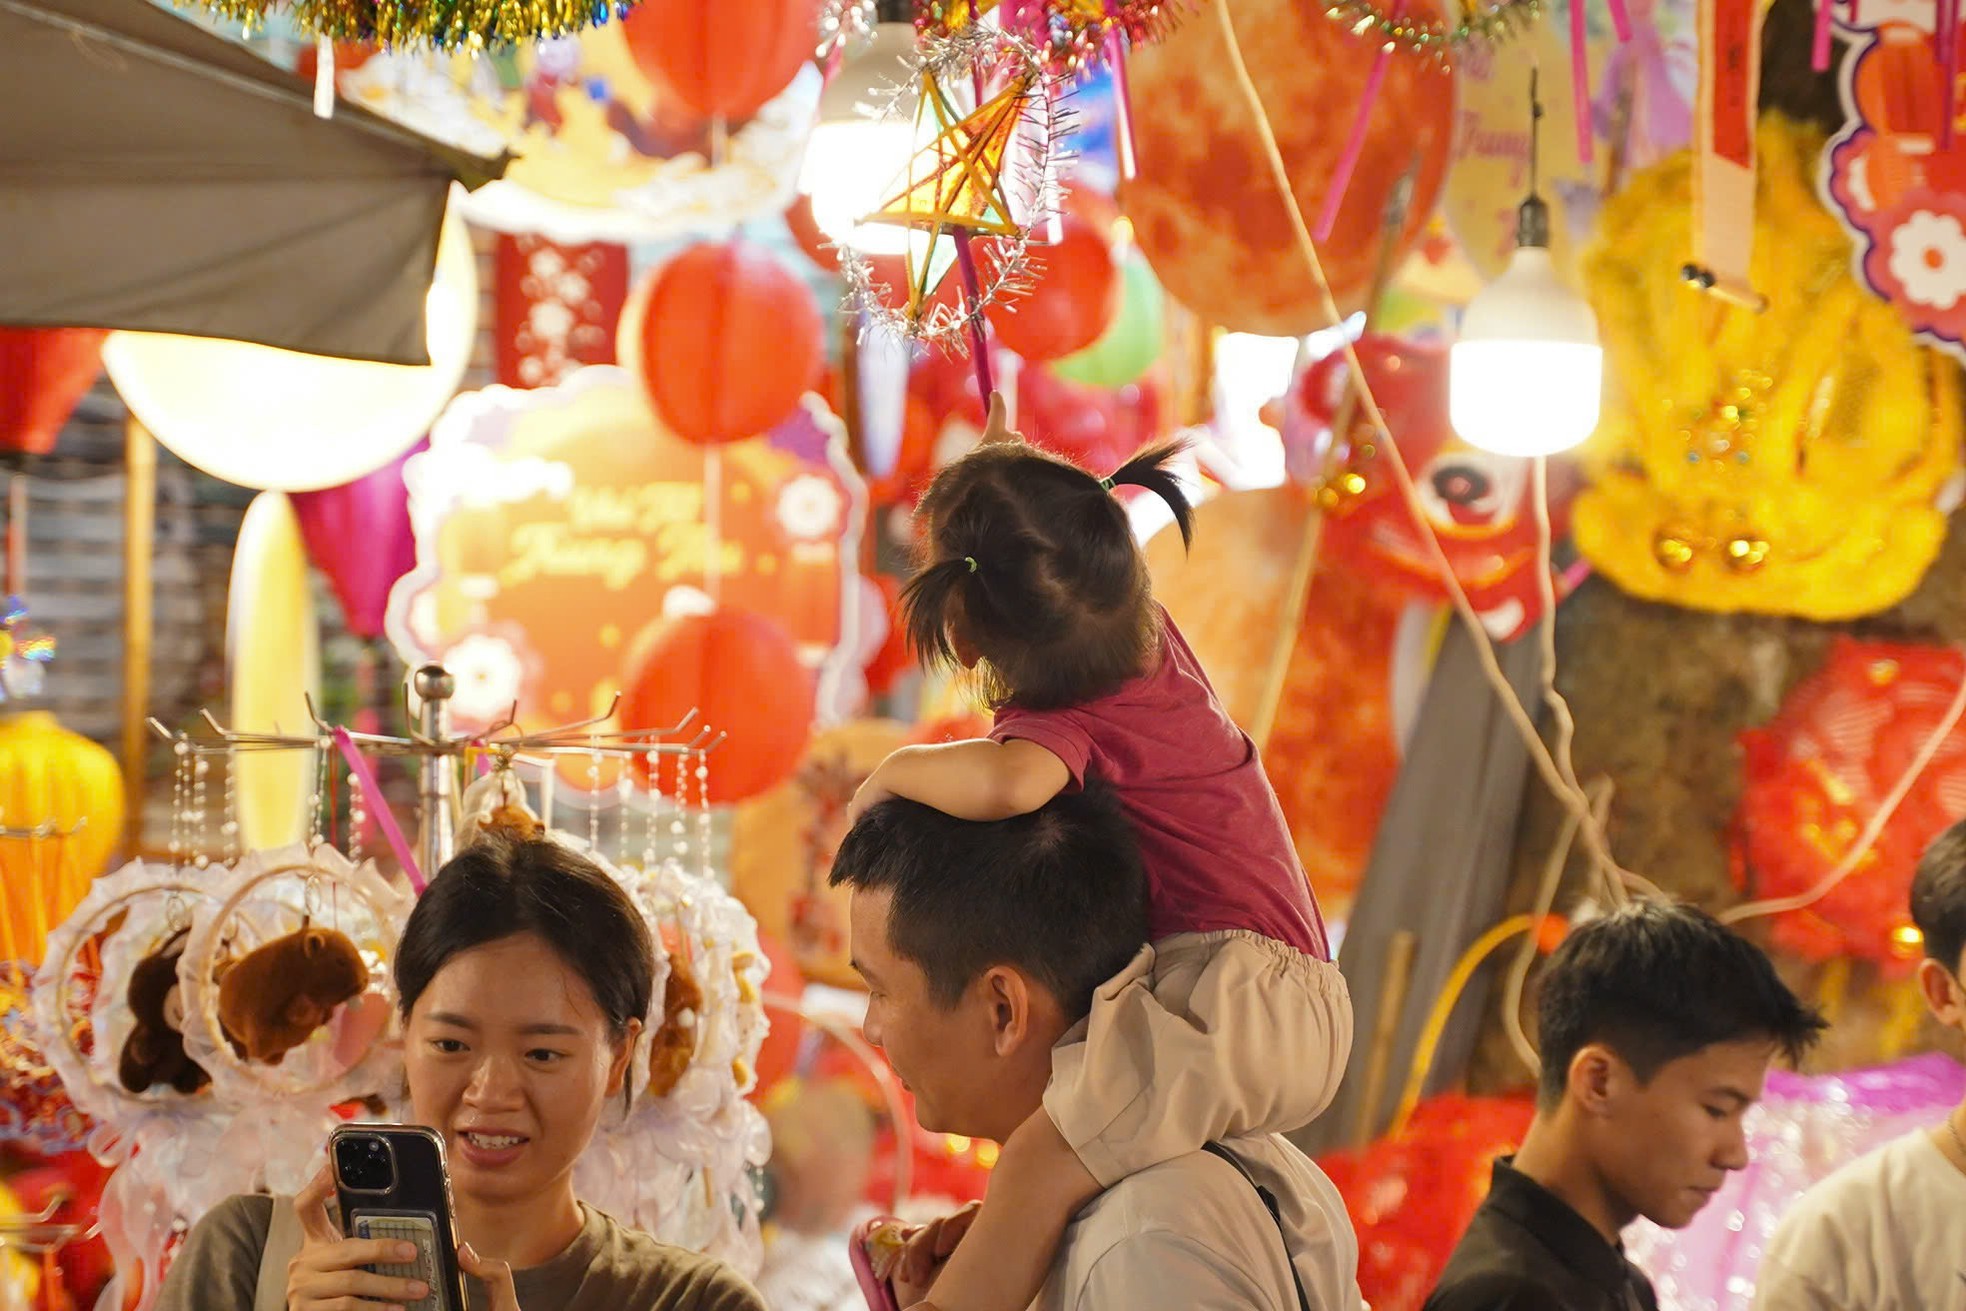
[1076,294]
[729,339]
[723,60]
[742,672]
[1205,208]
[43,373]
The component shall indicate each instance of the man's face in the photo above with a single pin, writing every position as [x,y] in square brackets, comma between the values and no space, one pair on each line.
[1667,1146]
[945,1055]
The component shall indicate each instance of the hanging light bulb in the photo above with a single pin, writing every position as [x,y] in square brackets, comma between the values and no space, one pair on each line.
[1526,375]
[853,157]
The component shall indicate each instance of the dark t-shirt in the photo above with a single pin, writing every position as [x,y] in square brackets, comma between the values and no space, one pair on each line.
[605,1268]
[1526,1250]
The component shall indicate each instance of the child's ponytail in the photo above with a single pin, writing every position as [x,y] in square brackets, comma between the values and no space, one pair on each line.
[929,603]
[1149,469]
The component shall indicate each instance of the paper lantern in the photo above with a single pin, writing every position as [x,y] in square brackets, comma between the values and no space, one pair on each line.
[725,339]
[1096,429]
[359,535]
[43,373]
[1131,342]
[285,421]
[51,776]
[1204,207]
[1477,502]
[1815,774]
[1072,302]
[723,60]
[273,662]
[742,672]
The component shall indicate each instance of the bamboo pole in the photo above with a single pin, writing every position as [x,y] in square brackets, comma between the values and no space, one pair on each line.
[1385,1030]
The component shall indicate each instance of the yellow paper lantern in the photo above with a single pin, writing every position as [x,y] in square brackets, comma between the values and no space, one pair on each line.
[50,776]
[273,662]
[1789,462]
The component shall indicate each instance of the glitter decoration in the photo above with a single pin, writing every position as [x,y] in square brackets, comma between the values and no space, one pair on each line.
[677,828]
[229,821]
[358,817]
[846,27]
[654,799]
[180,799]
[702,772]
[467,25]
[1482,24]
[201,768]
[1073,37]
[979,168]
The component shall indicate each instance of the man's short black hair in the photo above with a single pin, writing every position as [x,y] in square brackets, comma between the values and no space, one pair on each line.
[1058,893]
[1938,897]
[1656,981]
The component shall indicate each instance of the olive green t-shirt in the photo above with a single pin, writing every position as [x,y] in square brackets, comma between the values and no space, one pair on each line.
[605,1268]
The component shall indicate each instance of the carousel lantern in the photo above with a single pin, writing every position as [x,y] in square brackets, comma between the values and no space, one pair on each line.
[725,339]
[286,421]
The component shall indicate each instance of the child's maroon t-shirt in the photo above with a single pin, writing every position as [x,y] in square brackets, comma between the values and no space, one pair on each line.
[1213,839]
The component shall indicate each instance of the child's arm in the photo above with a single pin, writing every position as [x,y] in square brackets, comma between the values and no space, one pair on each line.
[975,780]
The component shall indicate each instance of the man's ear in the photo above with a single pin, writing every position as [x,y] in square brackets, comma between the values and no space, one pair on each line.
[1597,1078]
[1008,995]
[1943,992]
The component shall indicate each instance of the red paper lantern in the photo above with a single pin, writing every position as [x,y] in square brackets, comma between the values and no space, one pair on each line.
[725,59]
[1816,773]
[742,672]
[43,373]
[729,340]
[1072,301]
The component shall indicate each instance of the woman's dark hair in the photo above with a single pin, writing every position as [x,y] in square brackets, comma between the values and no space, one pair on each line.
[1938,897]
[500,886]
[1031,560]
[1656,981]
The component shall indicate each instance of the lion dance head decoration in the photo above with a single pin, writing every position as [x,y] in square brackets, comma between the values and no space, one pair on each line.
[1789,462]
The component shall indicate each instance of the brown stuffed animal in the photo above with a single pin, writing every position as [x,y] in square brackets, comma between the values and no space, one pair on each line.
[154,1051]
[278,994]
[682,1016]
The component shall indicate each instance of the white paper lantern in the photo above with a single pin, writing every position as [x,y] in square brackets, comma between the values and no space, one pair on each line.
[284,421]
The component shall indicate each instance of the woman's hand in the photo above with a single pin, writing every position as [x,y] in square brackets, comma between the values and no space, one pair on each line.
[928,1249]
[329,1273]
[496,1276]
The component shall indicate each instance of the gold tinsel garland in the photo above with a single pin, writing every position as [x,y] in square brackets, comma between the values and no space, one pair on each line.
[444,24]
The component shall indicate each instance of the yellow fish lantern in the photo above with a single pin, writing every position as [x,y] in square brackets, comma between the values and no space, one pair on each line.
[61,781]
[1787,462]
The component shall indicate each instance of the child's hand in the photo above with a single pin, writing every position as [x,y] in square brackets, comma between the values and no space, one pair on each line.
[866,797]
[927,1251]
[997,427]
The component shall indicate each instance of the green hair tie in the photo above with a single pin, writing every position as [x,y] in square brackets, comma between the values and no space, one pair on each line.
[1106,484]
[970,560]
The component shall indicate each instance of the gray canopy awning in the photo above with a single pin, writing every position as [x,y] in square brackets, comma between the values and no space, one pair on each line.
[155,176]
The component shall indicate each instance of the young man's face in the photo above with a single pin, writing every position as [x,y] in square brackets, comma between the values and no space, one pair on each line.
[1665,1147]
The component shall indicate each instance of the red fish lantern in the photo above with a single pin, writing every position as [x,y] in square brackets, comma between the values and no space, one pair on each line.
[1477,502]
[725,340]
[1816,773]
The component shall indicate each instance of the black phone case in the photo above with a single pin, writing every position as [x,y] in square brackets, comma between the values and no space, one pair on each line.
[416,1209]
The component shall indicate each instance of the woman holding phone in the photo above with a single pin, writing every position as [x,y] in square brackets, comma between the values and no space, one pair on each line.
[524,975]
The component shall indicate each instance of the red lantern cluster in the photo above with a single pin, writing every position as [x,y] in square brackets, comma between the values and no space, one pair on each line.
[1072,300]
[1816,773]
[1411,1196]
[727,341]
[723,60]
[742,672]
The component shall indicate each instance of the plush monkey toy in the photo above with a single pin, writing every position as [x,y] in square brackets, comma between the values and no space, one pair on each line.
[154,1051]
[280,993]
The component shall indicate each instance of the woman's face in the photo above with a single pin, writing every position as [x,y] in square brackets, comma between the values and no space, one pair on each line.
[508,1056]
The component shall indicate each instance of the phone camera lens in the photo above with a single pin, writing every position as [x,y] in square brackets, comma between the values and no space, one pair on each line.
[364,1164]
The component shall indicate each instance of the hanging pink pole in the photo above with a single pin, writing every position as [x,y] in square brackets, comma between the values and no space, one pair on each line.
[1580,83]
[378,807]
[1948,17]
[1122,102]
[1819,51]
[1341,176]
[1621,20]
[979,341]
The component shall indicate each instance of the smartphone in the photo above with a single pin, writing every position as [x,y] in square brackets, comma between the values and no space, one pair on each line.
[392,1184]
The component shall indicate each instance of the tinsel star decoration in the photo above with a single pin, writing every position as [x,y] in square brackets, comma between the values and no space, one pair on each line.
[23,658]
[441,24]
[1072,36]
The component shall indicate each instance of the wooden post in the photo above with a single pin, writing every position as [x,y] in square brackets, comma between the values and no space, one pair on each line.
[139,543]
[1385,1029]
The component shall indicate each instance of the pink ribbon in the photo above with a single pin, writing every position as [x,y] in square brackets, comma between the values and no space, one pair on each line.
[1122,102]
[1819,50]
[359,767]
[1621,21]
[1341,176]
[1948,43]
[1580,82]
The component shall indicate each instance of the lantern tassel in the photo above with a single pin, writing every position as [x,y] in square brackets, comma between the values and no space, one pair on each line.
[979,340]
[1341,176]
[1580,82]
[1621,21]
